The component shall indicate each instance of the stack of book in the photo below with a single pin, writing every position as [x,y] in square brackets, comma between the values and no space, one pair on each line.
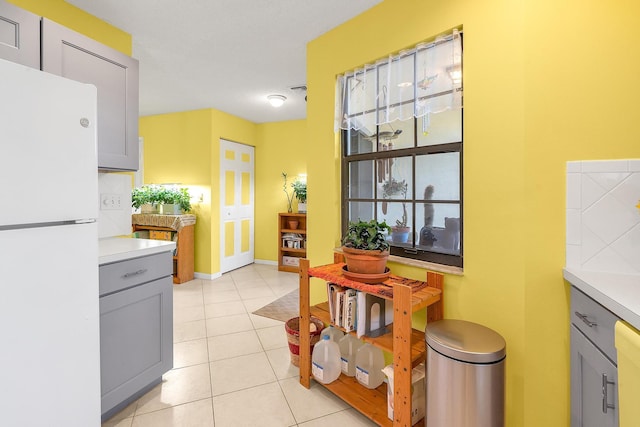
[353,310]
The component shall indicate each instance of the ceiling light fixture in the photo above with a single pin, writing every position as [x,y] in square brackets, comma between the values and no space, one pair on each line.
[276,100]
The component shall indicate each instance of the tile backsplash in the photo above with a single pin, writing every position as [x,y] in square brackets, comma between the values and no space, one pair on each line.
[603,222]
[114,218]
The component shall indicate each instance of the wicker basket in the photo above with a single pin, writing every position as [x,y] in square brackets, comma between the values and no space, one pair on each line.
[292,326]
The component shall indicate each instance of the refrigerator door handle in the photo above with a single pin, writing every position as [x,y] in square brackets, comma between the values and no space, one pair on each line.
[84,221]
[46,224]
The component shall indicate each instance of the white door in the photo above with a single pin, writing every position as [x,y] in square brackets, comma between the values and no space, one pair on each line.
[236,205]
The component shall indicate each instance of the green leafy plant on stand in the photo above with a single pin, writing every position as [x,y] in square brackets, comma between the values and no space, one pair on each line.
[367,235]
[155,195]
[145,195]
[300,190]
[177,196]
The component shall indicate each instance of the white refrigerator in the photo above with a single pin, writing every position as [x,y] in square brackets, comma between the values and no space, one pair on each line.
[49,315]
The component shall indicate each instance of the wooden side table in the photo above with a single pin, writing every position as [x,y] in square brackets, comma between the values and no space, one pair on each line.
[179,228]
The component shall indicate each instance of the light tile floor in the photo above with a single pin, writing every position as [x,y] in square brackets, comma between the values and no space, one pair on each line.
[231,367]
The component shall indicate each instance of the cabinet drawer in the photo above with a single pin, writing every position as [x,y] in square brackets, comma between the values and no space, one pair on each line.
[595,321]
[132,272]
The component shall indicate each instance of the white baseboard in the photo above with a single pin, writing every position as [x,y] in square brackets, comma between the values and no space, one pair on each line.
[214,276]
[206,276]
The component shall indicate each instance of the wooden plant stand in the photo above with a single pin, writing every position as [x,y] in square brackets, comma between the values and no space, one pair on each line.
[183,262]
[407,344]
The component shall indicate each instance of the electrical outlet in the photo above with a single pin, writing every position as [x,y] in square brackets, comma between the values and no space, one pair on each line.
[110,202]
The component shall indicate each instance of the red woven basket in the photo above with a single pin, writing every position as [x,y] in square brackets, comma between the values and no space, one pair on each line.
[292,326]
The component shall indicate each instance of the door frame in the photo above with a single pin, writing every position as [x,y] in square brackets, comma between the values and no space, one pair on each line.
[248,257]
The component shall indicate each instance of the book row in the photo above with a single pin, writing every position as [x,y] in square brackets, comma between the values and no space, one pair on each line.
[353,310]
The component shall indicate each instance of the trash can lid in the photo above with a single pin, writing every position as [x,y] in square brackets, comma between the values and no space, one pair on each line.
[465,341]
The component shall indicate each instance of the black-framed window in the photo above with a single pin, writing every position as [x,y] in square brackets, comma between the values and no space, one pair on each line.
[409,174]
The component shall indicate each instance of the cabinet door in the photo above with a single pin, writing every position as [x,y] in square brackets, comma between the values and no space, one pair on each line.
[75,56]
[19,35]
[136,339]
[594,385]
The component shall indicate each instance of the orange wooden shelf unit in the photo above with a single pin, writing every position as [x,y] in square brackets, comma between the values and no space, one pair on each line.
[405,343]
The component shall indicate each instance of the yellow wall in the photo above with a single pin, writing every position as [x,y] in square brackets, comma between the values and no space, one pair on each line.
[177,148]
[545,83]
[184,147]
[580,91]
[78,20]
[282,148]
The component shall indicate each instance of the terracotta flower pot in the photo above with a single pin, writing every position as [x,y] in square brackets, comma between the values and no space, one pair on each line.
[293,224]
[365,262]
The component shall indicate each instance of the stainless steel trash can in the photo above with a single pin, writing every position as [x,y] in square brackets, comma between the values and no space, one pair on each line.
[465,375]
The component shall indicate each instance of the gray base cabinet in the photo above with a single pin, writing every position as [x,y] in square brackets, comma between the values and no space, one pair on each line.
[19,35]
[594,374]
[136,328]
[594,379]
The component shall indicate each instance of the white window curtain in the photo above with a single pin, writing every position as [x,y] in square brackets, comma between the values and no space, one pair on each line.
[414,83]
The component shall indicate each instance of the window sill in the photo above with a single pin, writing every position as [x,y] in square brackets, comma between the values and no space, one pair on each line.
[431,266]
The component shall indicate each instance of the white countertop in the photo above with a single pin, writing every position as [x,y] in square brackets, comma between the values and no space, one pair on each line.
[620,293]
[114,249]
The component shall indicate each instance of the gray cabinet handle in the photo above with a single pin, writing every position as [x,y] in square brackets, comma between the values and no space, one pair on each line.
[605,398]
[135,273]
[583,317]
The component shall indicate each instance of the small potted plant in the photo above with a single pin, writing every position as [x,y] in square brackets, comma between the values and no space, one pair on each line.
[400,231]
[390,188]
[365,247]
[175,201]
[145,198]
[300,191]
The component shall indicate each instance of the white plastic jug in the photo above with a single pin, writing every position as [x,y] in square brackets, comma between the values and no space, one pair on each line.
[349,346]
[369,365]
[334,333]
[325,361]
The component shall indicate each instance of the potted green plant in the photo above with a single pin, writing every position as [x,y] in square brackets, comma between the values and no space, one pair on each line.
[400,231]
[392,187]
[300,191]
[175,201]
[365,247]
[155,199]
[145,198]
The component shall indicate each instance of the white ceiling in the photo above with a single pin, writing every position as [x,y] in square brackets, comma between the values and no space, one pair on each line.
[223,54]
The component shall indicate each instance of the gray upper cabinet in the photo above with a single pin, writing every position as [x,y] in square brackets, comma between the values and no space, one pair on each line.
[19,35]
[77,57]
